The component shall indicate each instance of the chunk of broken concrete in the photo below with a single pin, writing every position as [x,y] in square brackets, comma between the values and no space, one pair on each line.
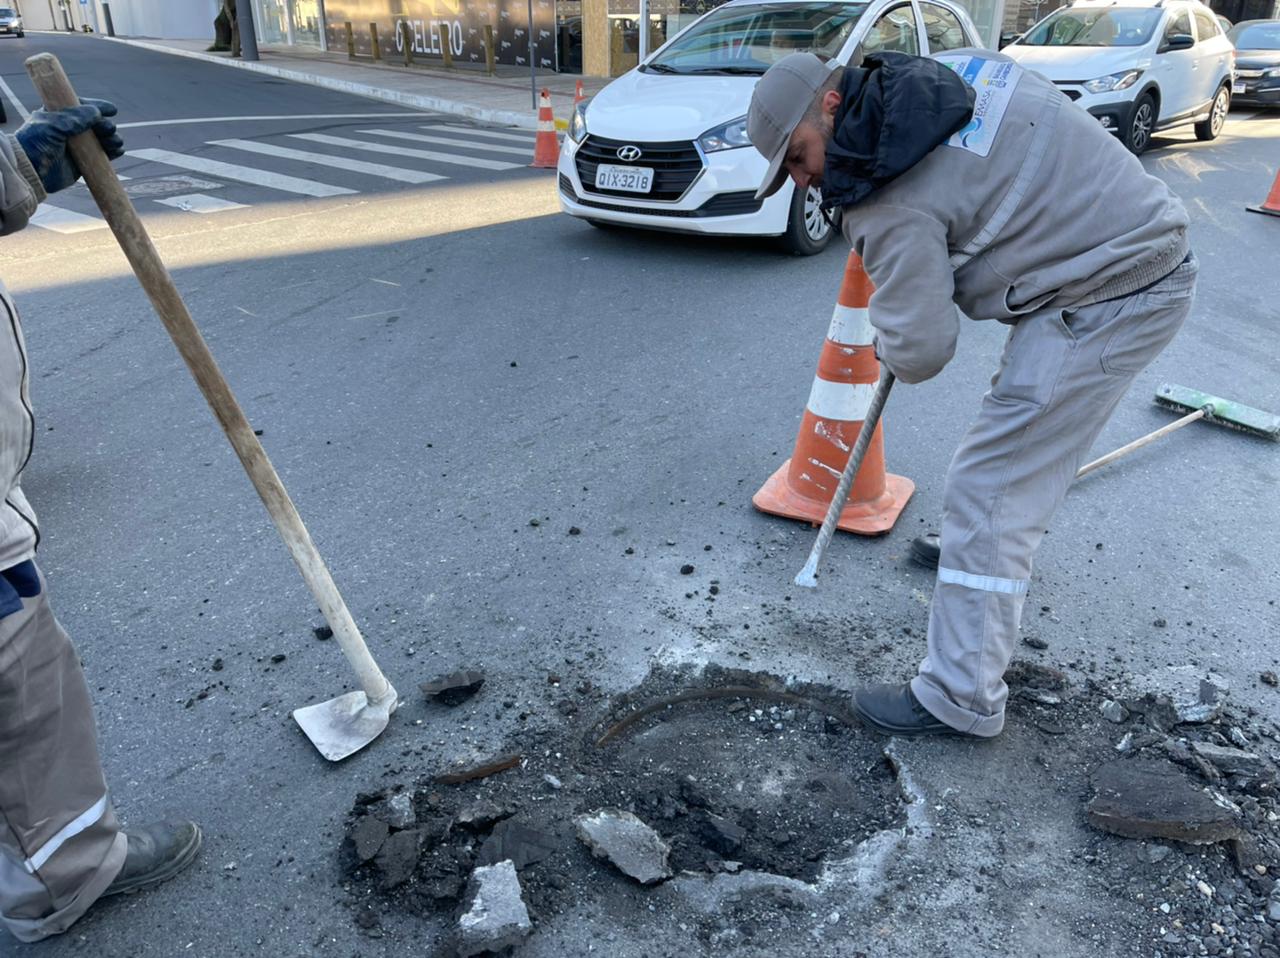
[396,810]
[495,916]
[721,835]
[1113,711]
[1194,695]
[1023,674]
[629,844]
[398,857]
[367,835]
[517,843]
[454,689]
[1147,798]
[481,815]
[1232,761]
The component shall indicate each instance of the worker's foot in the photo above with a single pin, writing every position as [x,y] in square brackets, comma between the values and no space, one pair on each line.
[895,710]
[156,853]
[926,549]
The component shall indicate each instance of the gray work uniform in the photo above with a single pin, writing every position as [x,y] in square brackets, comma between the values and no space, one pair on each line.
[1038,218]
[60,843]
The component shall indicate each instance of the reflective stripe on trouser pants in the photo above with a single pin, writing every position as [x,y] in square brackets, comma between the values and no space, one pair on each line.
[1060,378]
[60,844]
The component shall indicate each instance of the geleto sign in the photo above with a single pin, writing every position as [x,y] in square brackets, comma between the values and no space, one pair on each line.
[460,23]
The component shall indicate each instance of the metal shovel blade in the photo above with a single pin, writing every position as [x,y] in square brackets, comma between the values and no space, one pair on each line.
[342,726]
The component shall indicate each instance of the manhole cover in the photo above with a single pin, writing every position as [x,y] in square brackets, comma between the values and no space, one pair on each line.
[734,771]
[160,185]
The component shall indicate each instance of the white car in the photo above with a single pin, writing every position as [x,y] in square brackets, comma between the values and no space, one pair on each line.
[665,146]
[10,22]
[1137,65]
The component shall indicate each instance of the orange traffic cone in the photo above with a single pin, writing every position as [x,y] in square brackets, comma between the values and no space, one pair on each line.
[578,94]
[546,148]
[1271,205]
[847,374]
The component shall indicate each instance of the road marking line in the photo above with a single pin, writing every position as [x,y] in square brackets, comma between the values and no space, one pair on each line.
[243,119]
[245,174]
[337,162]
[201,203]
[384,282]
[526,138]
[58,220]
[471,161]
[22,110]
[448,141]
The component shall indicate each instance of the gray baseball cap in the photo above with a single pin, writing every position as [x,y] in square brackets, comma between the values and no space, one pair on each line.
[778,105]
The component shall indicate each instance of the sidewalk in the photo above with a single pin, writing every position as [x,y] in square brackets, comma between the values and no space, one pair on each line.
[504,99]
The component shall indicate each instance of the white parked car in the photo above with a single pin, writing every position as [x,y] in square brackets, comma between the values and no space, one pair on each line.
[1137,65]
[11,22]
[665,146]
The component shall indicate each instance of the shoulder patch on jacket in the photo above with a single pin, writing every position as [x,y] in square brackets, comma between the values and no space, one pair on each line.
[994,82]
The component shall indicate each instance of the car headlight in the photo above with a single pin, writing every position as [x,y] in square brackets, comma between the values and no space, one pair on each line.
[1116,81]
[578,125]
[1272,73]
[729,136]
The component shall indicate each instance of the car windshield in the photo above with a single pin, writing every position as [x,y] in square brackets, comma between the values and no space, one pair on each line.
[1259,36]
[748,40]
[6,11]
[1094,27]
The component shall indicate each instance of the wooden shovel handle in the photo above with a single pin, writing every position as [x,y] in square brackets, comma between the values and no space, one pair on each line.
[56,92]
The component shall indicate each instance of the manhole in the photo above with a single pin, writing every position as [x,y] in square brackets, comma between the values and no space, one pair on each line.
[735,771]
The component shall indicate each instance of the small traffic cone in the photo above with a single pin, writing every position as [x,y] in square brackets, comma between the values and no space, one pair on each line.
[846,379]
[546,149]
[1271,205]
[578,94]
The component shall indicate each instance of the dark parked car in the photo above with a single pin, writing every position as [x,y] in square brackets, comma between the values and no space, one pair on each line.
[1257,78]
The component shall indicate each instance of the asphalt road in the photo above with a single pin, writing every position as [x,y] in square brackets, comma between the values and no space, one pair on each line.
[435,364]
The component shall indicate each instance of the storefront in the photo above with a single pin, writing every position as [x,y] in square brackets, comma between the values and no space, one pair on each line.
[290,22]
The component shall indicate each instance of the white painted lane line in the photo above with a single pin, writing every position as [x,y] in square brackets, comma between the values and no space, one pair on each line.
[473,162]
[244,119]
[201,203]
[337,162]
[13,98]
[448,141]
[58,220]
[526,138]
[245,174]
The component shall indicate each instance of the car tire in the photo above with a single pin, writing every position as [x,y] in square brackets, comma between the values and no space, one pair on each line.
[1210,128]
[808,231]
[1142,123]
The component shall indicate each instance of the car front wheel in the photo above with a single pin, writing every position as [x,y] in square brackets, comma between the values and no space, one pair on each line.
[808,230]
[1210,128]
[1142,122]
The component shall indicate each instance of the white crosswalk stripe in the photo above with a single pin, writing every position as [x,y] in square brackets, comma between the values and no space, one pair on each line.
[245,174]
[201,203]
[525,138]
[337,162]
[58,220]
[473,162]
[449,141]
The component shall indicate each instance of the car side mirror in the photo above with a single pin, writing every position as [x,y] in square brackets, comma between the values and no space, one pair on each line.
[1179,41]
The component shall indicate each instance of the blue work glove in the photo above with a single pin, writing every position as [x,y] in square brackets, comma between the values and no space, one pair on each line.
[44,139]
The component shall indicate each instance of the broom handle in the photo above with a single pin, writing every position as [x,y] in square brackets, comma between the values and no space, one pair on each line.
[57,93]
[1144,441]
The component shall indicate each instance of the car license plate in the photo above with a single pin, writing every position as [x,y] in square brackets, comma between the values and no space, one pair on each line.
[1238,86]
[629,179]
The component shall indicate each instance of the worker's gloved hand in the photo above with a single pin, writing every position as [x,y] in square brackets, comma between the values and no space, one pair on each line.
[44,139]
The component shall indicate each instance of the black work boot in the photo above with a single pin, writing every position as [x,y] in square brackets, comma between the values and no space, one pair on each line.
[926,549]
[895,710]
[156,853]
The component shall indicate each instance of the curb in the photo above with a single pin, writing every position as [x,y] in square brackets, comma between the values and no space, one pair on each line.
[415,100]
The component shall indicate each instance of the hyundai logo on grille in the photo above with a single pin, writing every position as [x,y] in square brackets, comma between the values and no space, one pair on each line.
[629,154]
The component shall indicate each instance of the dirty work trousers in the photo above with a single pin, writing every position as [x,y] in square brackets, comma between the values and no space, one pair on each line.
[1061,376]
[60,844]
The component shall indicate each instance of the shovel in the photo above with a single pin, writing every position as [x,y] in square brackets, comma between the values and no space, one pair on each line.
[340,726]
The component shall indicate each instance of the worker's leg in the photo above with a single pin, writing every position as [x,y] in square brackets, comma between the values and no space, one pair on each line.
[1060,379]
[60,844]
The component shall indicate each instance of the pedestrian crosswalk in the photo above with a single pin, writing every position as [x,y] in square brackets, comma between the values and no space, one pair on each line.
[313,165]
